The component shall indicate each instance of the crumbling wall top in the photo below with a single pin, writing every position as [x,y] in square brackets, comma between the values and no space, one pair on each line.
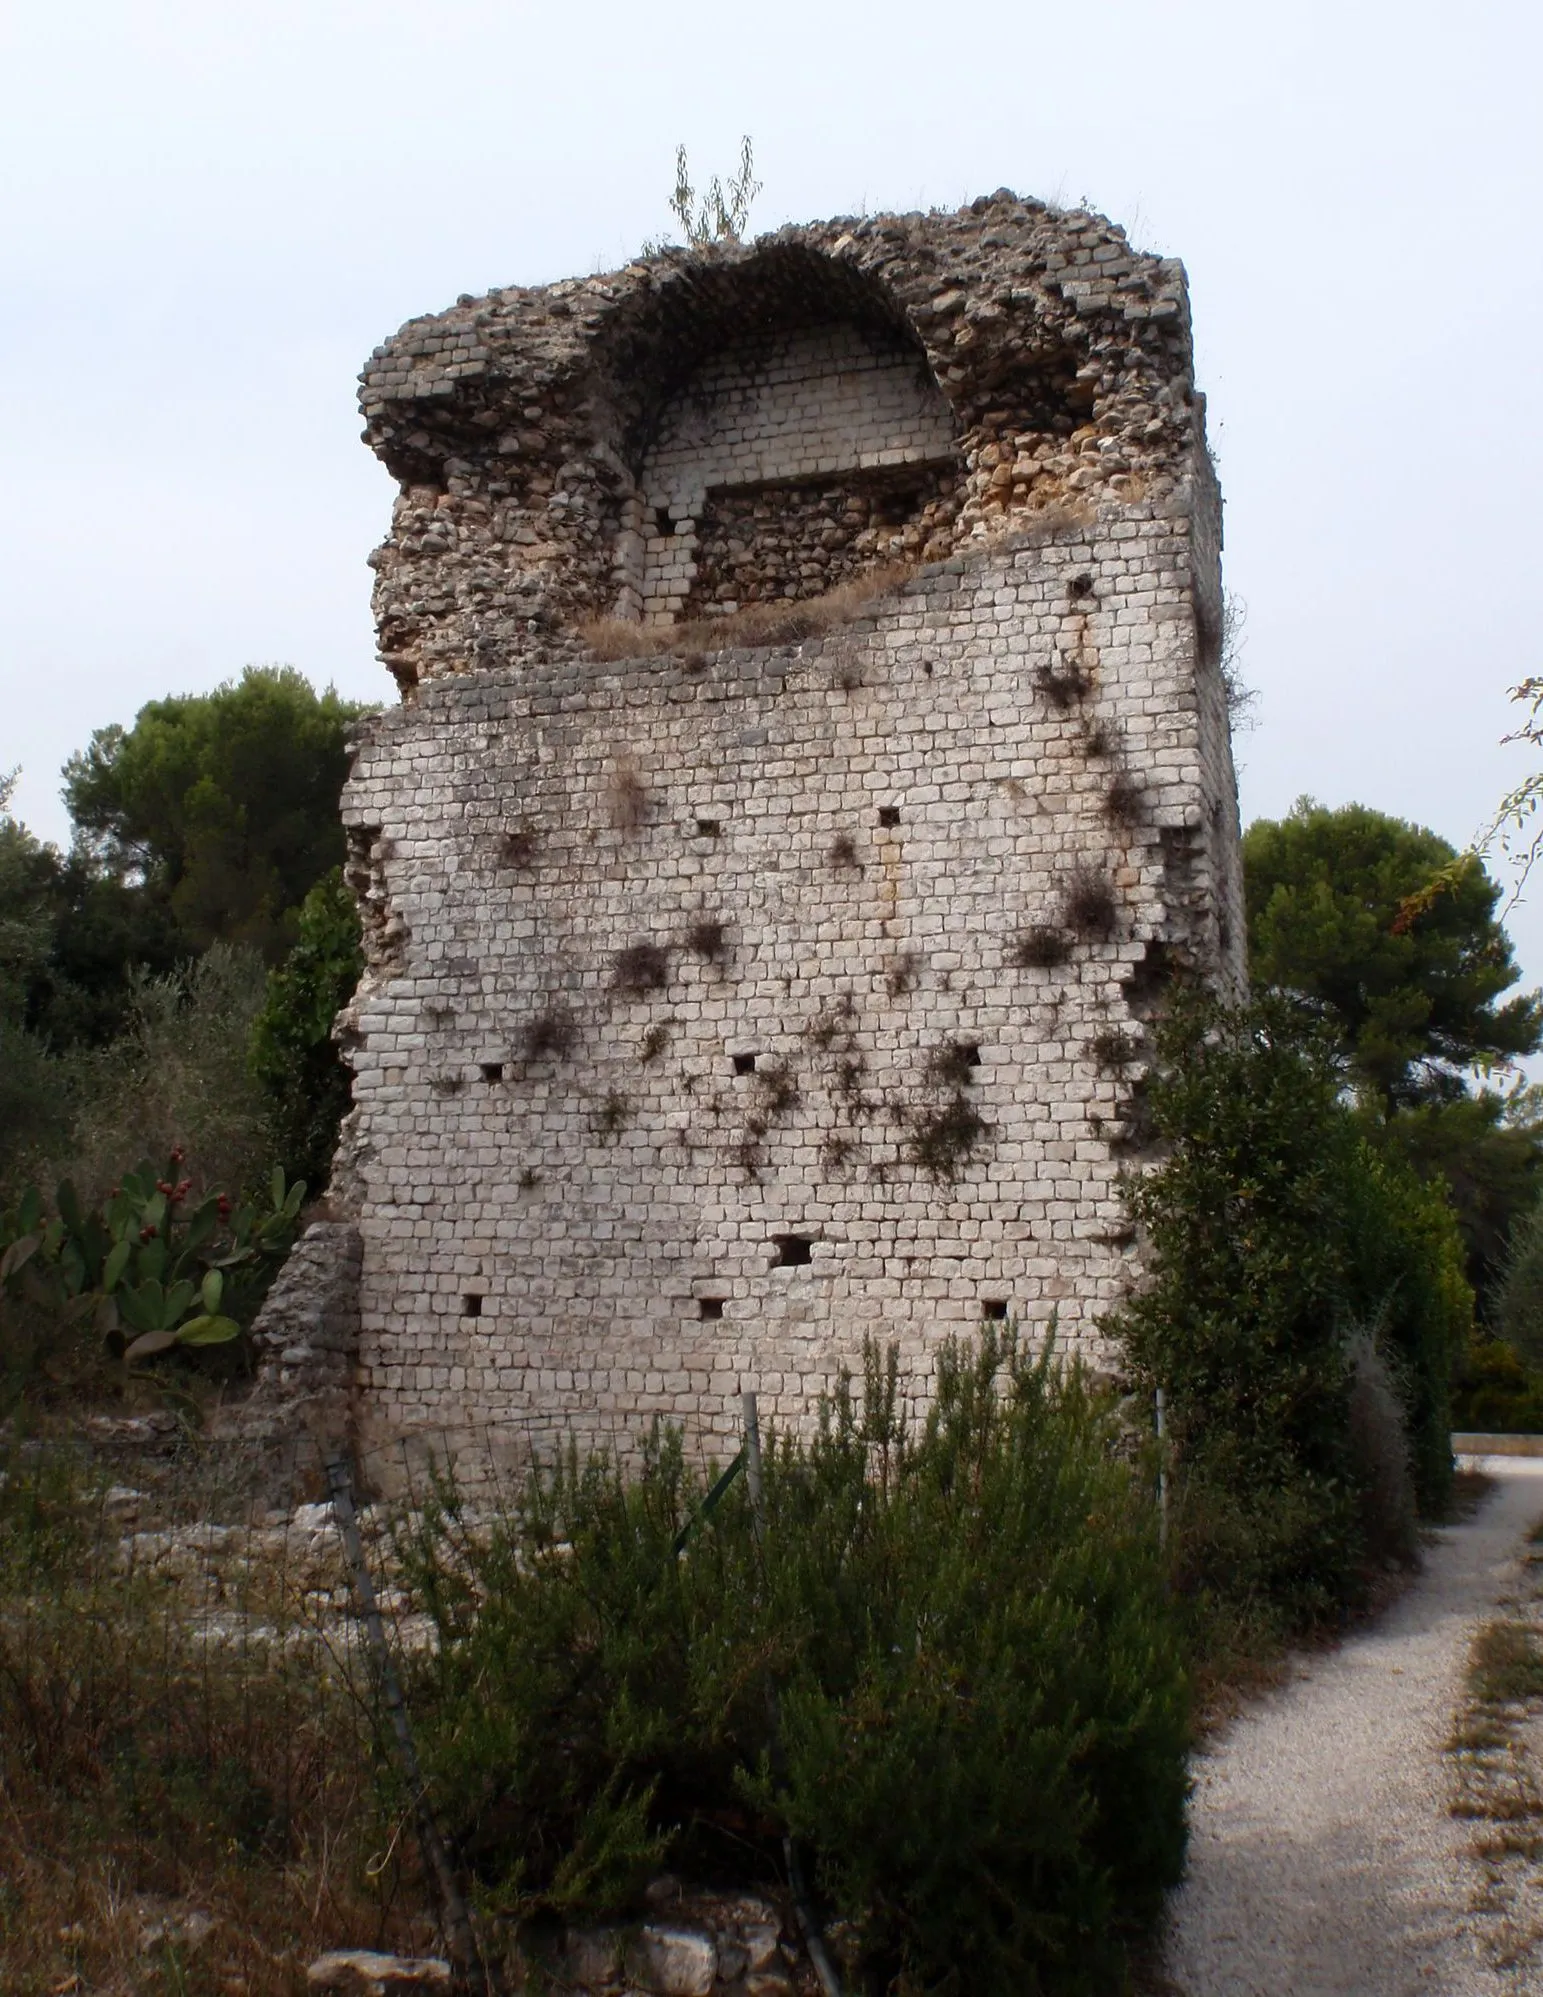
[521,418]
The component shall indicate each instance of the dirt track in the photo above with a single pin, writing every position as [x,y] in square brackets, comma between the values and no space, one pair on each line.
[1324,1859]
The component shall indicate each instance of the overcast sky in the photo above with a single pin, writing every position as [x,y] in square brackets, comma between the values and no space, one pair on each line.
[212,213]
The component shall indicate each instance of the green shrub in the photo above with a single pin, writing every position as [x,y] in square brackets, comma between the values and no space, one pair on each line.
[1275,1234]
[1406,1273]
[1497,1393]
[179,1078]
[983,1710]
[294,1056]
[1519,1306]
[34,1100]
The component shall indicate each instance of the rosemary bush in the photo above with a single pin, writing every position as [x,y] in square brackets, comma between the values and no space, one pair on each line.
[962,1626]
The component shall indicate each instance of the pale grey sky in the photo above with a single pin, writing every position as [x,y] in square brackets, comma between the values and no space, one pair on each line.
[211,215]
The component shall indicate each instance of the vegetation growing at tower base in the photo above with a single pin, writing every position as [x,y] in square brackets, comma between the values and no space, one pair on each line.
[945,1664]
[1306,1309]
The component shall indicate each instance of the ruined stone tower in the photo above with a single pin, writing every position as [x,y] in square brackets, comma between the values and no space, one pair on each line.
[813,758]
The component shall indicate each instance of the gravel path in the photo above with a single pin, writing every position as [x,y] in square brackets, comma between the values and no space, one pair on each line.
[1323,1858]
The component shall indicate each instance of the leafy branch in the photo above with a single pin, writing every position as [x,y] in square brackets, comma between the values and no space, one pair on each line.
[1516,828]
[719,213]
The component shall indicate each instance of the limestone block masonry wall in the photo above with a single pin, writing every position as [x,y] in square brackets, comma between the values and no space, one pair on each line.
[789,410]
[726,1004]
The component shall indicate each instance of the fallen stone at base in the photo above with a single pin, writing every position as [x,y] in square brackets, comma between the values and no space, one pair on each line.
[696,1942]
[363,1973]
[678,1962]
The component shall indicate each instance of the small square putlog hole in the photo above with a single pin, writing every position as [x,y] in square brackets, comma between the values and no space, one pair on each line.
[492,1071]
[889,815]
[993,1309]
[471,1304]
[744,1064]
[708,828]
[710,1309]
[794,1251]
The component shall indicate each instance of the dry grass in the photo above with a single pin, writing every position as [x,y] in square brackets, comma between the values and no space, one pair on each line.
[628,796]
[1506,1664]
[90,1905]
[189,1800]
[1496,1785]
[758,624]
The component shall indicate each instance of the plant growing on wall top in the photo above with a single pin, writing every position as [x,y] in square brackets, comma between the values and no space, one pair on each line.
[718,214]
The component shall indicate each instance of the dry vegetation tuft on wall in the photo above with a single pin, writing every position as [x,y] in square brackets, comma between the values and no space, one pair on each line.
[1089,906]
[1040,948]
[757,624]
[641,967]
[552,1032]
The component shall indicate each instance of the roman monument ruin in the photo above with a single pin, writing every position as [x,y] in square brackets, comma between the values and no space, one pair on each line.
[812,764]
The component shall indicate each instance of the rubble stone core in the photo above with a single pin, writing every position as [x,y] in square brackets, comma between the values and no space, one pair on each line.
[734,999]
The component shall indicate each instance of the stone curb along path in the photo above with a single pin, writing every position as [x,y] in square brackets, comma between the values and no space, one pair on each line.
[1324,1859]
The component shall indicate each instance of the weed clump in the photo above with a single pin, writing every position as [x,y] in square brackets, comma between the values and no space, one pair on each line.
[953,1064]
[944,1133]
[776,1089]
[613,1114]
[942,1138]
[708,939]
[641,967]
[549,1033]
[775,1092]
[1063,686]
[1088,905]
[1114,1050]
[1124,801]
[1040,948]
